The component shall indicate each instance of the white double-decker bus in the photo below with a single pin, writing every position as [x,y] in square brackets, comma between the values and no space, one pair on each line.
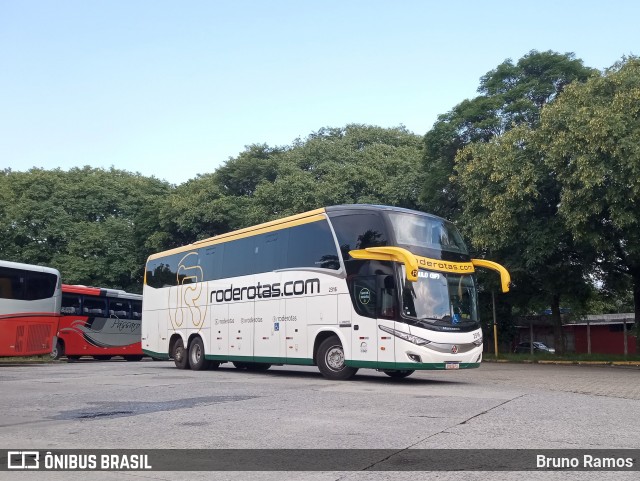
[342,287]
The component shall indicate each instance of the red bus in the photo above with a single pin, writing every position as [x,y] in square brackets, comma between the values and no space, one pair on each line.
[29,309]
[100,323]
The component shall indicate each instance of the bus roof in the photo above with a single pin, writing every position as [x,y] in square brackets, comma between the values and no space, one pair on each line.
[290,221]
[98,291]
[29,267]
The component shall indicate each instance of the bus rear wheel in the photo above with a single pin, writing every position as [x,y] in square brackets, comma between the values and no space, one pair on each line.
[58,350]
[180,355]
[196,355]
[399,374]
[331,362]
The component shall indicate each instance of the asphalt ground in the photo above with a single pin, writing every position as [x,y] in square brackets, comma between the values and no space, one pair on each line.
[143,405]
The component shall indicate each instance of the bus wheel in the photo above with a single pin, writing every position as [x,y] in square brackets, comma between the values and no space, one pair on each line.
[196,355]
[399,374]
[58,350]
[180,357]
[101,358]
[133,358]
[331,360]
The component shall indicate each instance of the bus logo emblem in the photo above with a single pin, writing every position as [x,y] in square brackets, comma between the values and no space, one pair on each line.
[454,349]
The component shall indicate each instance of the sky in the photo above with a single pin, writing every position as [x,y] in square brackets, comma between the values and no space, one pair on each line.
[173,89]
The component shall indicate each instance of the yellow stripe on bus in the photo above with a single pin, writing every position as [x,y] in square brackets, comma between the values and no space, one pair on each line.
[292,221]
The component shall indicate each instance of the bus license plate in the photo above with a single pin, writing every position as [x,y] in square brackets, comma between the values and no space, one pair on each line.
[452,365]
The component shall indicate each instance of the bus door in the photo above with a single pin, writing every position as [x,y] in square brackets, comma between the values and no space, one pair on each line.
[387,312]
[374,299]
[364,335]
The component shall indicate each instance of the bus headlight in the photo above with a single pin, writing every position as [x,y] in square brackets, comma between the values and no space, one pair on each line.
[478,342]
[405,336]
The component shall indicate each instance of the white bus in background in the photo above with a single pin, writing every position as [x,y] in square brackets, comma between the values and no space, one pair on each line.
[342,287]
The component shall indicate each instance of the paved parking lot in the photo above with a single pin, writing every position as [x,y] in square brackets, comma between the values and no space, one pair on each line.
[118,404]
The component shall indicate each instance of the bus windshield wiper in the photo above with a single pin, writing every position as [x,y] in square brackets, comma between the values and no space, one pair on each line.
[446,317]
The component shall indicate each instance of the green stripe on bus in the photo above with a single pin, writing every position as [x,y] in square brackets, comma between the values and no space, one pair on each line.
[262,359]
[159,355]
[423,366]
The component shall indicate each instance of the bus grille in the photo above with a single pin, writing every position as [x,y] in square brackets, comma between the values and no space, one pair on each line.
[39,337]
[18,347]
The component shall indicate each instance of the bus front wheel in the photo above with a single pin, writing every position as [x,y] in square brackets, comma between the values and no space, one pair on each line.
[196,355]
[180,355]
[331,361]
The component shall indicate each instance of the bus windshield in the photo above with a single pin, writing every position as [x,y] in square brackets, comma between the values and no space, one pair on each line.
[442,300]
[427,232]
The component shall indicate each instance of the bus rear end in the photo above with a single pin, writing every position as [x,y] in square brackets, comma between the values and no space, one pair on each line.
[30,298]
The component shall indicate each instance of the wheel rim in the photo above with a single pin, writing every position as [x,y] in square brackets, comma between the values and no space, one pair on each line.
[196,354]
[179,353]
[335,358]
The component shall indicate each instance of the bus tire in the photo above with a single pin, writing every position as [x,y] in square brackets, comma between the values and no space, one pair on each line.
[58,350]
[331,360]
[399,374]
[196,355]
[180,355]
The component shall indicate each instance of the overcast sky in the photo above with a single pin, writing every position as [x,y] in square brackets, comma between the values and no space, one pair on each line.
[173,89]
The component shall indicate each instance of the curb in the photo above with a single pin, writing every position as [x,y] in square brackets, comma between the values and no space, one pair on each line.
[567,363]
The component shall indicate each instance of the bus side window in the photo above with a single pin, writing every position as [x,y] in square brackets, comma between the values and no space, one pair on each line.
[94,306]
[119,308]
[136,307]
[12,284]
[70,305]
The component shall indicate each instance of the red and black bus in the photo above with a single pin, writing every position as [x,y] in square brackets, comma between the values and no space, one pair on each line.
[97,322]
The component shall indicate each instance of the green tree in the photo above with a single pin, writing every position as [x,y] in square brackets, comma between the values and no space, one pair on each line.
[510,207]
[510,95]
[96,226]
[591,142]
[354,164]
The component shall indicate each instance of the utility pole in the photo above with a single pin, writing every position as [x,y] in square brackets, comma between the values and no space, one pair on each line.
[495,323]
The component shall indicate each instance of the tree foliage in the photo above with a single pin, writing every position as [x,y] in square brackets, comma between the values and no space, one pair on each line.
[591,141]
[510,95]
[95,226]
